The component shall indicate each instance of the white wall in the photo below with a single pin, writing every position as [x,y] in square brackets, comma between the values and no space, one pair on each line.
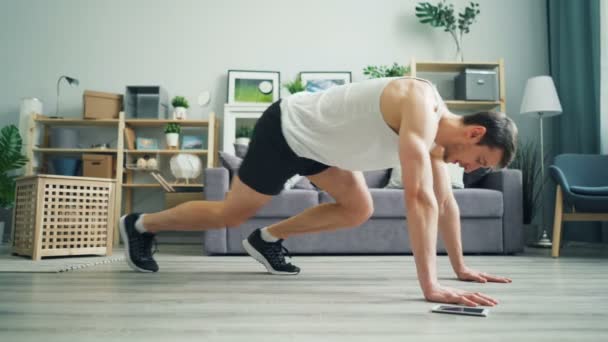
[188,45]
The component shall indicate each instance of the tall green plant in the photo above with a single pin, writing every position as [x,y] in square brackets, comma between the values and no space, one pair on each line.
[11,159]
[527,159]
[442,16]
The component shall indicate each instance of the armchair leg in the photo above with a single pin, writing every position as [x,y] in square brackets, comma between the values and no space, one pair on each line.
[557,222]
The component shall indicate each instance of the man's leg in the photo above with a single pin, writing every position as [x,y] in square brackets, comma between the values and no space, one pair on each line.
[353,207]
[240,204]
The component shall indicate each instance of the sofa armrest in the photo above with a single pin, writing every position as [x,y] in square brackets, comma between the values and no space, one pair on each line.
[216,186]
[216,183]
[509,182]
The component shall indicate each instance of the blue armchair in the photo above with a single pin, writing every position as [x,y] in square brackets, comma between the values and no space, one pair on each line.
[582,185]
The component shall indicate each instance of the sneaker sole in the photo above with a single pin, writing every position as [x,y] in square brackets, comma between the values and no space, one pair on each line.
[257,256]
[125,239]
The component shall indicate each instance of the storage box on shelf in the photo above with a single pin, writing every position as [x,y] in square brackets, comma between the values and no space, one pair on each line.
[495,70]
[146,102]
[98,165]
[61,216]
[100,105]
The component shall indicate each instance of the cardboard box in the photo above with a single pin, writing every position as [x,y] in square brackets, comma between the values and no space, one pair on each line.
[98,165]
[173,199]
[98,105]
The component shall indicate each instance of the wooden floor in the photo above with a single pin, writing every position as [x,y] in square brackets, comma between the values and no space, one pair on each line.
[368,298]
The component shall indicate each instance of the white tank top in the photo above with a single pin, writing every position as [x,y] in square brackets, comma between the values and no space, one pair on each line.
[343,126]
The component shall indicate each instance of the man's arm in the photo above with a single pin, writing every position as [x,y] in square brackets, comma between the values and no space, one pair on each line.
[449,225]
[449,213]
[416,135]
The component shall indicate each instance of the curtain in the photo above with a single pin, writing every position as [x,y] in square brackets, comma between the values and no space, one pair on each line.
[574,64]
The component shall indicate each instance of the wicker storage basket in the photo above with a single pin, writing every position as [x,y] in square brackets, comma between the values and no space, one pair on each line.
[61,216]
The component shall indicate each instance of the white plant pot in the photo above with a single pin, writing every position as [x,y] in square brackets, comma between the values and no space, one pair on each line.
[180,113]
[242,141]
[172,139]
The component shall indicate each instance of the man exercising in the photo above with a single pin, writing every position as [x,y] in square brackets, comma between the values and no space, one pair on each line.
[330,137]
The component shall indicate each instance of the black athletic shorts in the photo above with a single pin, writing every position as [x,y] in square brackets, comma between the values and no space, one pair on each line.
[269,161]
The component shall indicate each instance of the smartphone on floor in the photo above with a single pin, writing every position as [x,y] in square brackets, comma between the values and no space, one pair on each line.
[461,310]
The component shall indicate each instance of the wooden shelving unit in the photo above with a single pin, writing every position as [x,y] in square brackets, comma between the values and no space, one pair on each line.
[166,151]
[124,176]
[156,185]
[455,67]
[75,150]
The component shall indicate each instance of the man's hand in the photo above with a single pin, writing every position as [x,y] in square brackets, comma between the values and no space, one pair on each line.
[467,274]
[441,294]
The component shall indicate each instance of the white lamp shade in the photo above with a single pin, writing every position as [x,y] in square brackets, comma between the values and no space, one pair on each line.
[540,96]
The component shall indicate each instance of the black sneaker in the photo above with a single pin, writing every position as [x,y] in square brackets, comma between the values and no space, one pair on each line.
[138,246]
[269,254]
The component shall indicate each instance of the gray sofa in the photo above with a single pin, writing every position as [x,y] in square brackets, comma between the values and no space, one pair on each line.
[491,216]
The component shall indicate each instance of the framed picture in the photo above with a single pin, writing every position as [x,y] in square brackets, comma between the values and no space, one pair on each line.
[146,143]
[250,87]
[314,81]
[193,142]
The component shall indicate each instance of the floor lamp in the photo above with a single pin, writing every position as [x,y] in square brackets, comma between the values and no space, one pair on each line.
[541,100]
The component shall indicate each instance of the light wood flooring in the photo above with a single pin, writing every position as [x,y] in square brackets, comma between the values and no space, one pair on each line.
[364,298]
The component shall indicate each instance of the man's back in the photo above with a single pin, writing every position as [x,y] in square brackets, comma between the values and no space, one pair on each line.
[342,126]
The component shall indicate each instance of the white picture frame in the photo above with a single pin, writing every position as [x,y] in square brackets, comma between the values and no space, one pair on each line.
[253,87]
[315,81]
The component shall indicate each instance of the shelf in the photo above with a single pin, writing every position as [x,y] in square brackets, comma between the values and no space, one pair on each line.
[157,122]
[166,151]
[74,122]
[156,185]
[74,150]
[452,66]
[473,105]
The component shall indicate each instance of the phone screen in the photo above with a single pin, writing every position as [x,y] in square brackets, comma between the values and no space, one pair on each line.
[459,309]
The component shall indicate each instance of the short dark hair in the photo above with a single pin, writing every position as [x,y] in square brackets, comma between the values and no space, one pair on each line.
[501,133]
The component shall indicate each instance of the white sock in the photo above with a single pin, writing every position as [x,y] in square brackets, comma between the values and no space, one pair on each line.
[139,224]
[266,236]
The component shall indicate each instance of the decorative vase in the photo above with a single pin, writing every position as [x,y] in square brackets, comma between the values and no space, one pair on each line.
[180,113]
[172,140]
[459,53]
[242,141]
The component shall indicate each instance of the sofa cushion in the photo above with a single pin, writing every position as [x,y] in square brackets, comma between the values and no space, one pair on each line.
[289,203]
[472,202]
[377,178]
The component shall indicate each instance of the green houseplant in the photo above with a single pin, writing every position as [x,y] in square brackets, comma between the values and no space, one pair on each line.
[11,160]
[172,131]
[295,86]
[180,105]
[241,143]
[528,162]
[373,71]
[442,16]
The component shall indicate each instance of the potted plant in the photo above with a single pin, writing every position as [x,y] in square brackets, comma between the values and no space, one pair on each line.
[296,86]
[442,16]
[11,160]
[172,131]
[241,143]
[528,162]
[395,70]
[180,107]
